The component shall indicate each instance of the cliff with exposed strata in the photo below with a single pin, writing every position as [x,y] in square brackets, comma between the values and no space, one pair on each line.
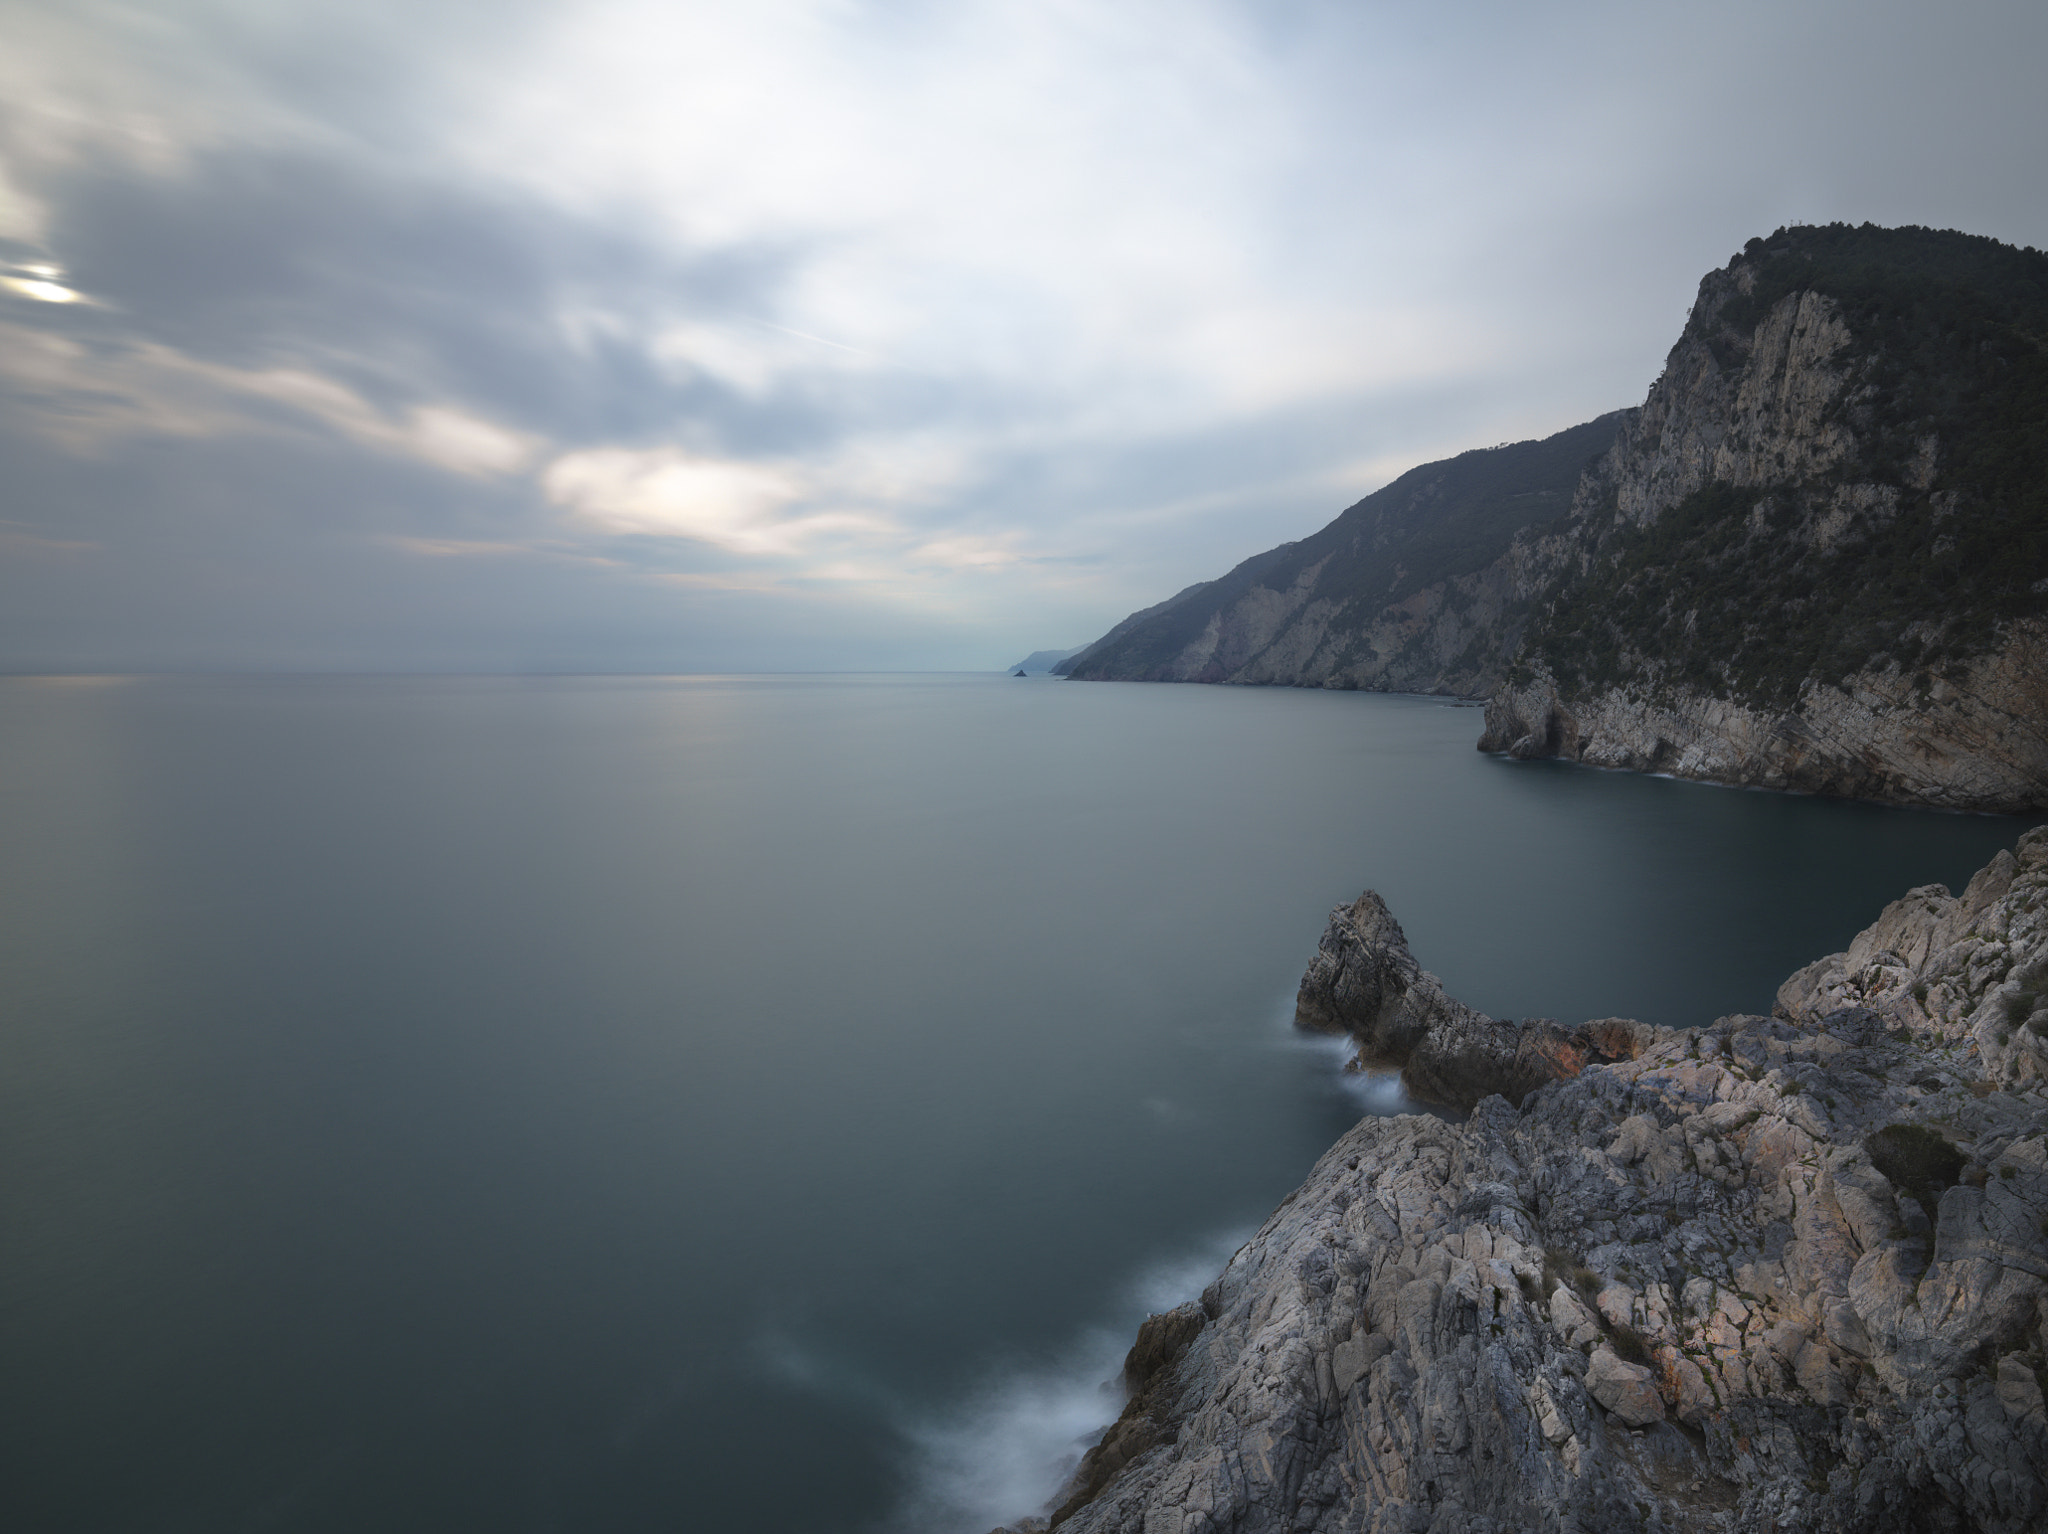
[1786,1271]
[1815,557]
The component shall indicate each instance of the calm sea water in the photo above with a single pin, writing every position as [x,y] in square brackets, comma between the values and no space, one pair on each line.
[734,1103]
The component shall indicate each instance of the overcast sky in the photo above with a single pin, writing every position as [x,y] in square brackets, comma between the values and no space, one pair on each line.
[824,334]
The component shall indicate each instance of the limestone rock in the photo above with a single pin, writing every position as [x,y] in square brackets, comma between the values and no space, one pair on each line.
[1736,644]
[1627,1390]
[1364,981]
[1370,601]
[1776,412]
[1435,1330]
[1978,742]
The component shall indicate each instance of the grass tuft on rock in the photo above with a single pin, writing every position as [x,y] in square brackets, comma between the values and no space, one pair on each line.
[1916,1161]
[1630,1345]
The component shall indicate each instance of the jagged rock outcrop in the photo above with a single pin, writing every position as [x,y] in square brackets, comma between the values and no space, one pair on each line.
[1815,557]
[1365,982]
[1969,970]
[1785,1272]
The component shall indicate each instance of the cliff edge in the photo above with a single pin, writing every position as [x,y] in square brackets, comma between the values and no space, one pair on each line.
[1420,587]
[1815,557]
[1786,1271]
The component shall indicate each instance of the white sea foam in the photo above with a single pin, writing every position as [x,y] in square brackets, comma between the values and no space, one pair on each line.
[1335,1048]
[1004,1452]
[1376,1092]
[1001,1454]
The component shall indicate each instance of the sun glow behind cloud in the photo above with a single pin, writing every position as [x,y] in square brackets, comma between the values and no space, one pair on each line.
[733,505]
[41,289]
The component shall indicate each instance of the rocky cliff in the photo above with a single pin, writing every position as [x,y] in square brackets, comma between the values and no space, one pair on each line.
[1364,982]
[1785,1271]
[1420,587]
[1973,738]
[1816,557]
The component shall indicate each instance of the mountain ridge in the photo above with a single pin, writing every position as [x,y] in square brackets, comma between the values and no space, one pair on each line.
[1372,599]
[1815,557]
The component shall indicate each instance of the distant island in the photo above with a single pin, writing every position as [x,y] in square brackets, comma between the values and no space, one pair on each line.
[1042,662]
[1815,557]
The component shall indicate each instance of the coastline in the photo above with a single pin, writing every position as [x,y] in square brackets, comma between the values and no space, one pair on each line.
[1789,1268]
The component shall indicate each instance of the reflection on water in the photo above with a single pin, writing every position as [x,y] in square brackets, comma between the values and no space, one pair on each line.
[559,1102]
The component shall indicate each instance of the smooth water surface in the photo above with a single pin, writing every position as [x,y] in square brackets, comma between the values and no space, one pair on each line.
[734,1103]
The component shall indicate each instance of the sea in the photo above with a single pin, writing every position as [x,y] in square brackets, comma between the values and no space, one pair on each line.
[723,1103]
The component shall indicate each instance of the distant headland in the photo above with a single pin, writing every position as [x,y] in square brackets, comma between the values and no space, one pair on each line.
[1814,558]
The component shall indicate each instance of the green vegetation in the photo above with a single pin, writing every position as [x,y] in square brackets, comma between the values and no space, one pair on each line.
[1916,1161]
[1732,593]
[1706,597]
[1912,553]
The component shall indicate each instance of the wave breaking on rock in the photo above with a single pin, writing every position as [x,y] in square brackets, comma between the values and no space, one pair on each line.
[1785,1271]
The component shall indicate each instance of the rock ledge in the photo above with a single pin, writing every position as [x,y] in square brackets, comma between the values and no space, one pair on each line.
[1783,1272]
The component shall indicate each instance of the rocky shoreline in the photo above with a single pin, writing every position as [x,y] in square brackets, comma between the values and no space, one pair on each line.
[1970,741]
[1812,558]
[1785,1271]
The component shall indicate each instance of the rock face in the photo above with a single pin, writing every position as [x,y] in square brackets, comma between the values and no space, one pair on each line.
[1815,557]
[1969,970]
[1420,587]
[1785,1272]
[1765,581]
[1364,981]
[1974,740]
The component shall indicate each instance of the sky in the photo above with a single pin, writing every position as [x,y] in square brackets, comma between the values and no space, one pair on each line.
[348,335]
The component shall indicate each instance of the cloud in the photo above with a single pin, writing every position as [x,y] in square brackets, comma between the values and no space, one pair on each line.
[736,506]
[84,395]
[456,441]
[829,507]
[37,280]
[755,358]
[991,320]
